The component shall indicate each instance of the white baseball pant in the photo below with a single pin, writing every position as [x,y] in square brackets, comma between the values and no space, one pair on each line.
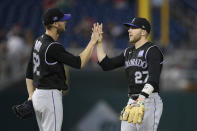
[152,114]
[48,109]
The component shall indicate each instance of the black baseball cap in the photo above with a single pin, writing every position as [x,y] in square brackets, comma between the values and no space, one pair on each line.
[53,15]
[139,23]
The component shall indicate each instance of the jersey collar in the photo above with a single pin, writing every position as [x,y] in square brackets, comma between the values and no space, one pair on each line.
[49,37]
[141,46]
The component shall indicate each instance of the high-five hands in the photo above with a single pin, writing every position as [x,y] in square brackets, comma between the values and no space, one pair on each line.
[100,31]
[95,38]
[97,33]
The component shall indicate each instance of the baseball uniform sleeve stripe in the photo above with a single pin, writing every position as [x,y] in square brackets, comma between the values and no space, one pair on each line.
[150,48]
[53,63]
[57,53]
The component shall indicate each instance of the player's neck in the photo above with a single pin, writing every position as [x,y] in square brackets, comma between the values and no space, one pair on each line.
[140,43]
[53,34]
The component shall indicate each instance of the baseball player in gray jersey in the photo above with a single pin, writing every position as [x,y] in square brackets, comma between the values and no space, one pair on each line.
[45,76]
[143,64]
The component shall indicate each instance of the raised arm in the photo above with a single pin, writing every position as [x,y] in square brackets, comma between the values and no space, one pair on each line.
[56,52]
[85,55]
[105,62]
[100,50]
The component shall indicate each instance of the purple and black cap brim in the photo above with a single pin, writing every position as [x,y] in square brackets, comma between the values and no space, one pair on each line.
[131,25]
[66,17]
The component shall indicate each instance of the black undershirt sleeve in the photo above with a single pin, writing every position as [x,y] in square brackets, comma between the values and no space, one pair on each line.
[112,63]
[56,52]
[29,71]
[154,59]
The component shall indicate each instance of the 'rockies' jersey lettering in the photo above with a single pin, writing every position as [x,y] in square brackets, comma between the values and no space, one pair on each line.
[136,62]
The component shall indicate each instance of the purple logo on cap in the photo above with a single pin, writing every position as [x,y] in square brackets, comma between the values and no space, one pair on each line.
[55,18]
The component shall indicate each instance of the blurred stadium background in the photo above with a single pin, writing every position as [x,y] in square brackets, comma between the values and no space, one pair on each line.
[96,97]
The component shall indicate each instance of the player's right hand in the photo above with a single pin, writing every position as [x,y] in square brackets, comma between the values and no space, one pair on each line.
[97,32]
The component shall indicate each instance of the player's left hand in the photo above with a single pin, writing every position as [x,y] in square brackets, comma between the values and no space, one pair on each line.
[95,33]
[126,112]
[137,112]
[24,110]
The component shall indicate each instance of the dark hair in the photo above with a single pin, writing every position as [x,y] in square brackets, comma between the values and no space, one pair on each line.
[48,26]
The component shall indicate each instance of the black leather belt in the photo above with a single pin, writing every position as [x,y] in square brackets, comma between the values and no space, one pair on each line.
[133,96]
[49,89]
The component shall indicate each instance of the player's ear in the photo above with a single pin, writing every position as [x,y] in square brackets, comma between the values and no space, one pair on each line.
[144,33]
[55,24]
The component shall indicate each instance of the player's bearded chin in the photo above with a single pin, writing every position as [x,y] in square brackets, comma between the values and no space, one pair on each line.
[135,39]
[60,30]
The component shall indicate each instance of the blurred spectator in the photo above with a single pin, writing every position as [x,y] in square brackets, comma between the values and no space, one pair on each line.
[82,30]
[15,47]
[108,45]
[84,27]
[120,4]
[65,4]
[1,48]
[3,65]
[62,4]
[29,38]
[114,30]
[3,33]
[3,39]
[74,44]
[182,34]
[50,4]
[191,73]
